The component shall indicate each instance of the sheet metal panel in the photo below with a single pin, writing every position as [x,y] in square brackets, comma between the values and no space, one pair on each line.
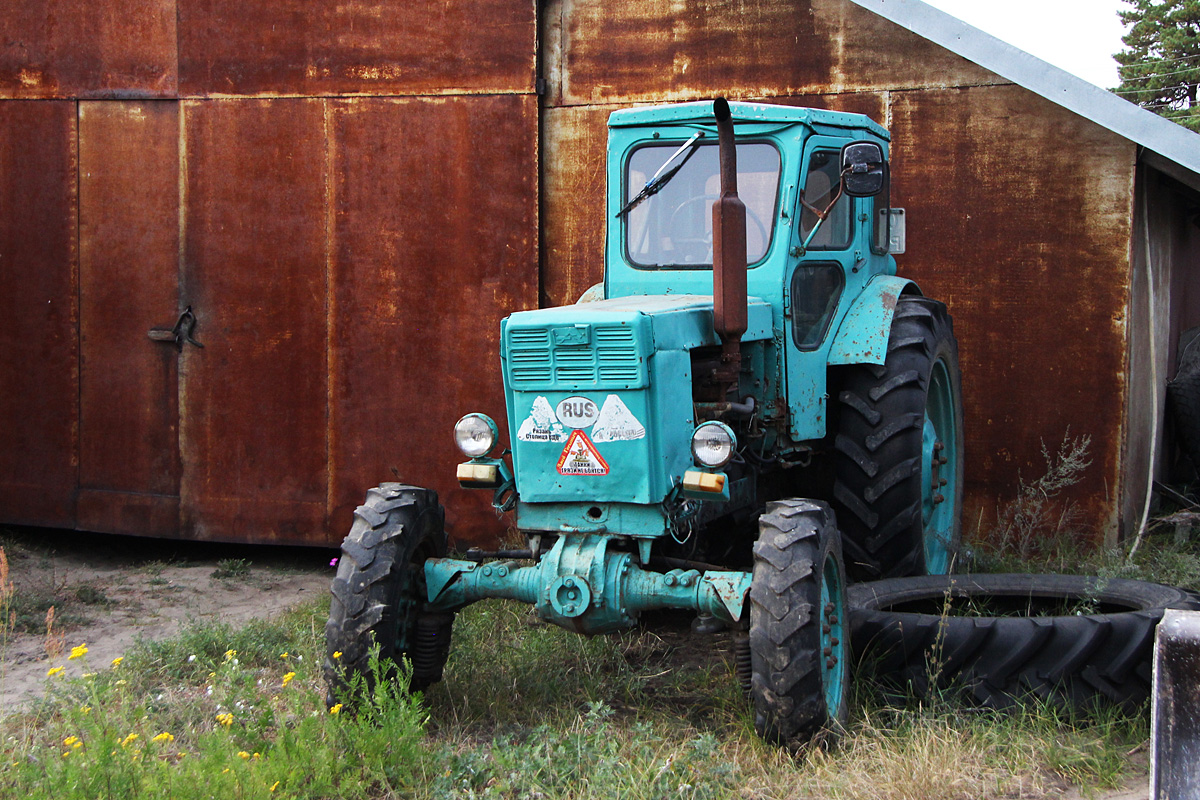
[435,222]
[375,47]
[128,283]
[39,313]
[93,48]
[656,50]
[253,401]
[1019,217]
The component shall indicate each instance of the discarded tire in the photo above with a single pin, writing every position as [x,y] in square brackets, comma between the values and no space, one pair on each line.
[1003,639]
[379,593]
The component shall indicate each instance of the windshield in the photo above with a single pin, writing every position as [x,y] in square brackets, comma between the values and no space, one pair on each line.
[673,226]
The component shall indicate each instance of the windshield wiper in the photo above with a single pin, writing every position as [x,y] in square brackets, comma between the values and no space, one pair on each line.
[663,176]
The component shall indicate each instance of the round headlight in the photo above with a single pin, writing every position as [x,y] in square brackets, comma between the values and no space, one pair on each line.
[712,444]
[475,435]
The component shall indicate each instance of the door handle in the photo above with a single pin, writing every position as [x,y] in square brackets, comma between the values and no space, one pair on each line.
[182,332]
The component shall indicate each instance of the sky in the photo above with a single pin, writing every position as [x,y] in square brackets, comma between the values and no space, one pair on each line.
[1079,36]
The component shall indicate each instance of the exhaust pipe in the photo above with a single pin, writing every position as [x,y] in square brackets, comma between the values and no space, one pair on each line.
[729,257]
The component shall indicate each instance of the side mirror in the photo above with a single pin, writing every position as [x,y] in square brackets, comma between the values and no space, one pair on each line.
[863,169]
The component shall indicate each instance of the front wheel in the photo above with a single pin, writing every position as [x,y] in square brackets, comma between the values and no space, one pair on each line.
[799,643]
[379,594]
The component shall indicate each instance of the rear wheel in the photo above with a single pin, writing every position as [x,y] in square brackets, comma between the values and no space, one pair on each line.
[379,592]
[799,647]
[898,450]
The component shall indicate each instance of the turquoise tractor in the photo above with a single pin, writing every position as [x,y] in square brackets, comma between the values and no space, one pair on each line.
[751,410]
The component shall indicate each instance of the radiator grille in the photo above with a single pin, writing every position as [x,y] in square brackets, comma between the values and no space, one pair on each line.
[610,358]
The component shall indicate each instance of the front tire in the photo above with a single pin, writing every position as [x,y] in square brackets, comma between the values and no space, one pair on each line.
[799,642]
[379,593]
[898,450]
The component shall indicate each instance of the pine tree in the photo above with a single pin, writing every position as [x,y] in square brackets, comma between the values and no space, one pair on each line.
[1160,65]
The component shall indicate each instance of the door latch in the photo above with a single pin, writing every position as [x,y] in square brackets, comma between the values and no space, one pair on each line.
[182,332]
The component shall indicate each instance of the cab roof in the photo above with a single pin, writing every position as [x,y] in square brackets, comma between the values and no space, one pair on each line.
[678,113]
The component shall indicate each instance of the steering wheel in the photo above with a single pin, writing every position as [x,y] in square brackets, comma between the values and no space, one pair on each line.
[698,249]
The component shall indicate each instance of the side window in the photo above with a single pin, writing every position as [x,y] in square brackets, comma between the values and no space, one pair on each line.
[816,288]
[821,186]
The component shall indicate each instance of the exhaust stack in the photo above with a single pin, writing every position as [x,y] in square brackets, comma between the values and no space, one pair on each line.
[729,257]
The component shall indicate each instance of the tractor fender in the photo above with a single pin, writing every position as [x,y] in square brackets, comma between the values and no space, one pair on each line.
[862,338]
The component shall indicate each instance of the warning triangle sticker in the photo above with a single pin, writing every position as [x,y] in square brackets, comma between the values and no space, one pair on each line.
[580,457]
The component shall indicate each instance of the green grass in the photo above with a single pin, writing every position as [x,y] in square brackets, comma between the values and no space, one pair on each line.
[525,711]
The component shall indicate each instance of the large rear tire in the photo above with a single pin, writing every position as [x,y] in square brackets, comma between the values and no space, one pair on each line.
[379,593]
[898,450]
[799,647]
[1073,641]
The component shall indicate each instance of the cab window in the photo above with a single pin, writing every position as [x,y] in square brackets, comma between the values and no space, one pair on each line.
[821,186]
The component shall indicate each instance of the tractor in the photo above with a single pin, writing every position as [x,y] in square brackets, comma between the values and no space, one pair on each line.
[751,410]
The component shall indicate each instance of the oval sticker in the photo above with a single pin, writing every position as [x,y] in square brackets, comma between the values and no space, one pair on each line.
[577,412]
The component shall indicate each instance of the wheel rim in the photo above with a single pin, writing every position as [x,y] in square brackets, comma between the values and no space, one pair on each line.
[939,470]
[833,640]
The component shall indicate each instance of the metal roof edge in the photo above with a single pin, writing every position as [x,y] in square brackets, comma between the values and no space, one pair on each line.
[1173,142]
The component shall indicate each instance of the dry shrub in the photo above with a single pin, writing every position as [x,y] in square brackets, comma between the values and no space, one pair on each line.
[1039,520]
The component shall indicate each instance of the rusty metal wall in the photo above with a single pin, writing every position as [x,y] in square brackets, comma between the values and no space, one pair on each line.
[347,197]
[1026,241]
[324,171]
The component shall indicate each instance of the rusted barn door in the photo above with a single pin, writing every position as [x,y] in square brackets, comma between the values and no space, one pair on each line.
[128,284]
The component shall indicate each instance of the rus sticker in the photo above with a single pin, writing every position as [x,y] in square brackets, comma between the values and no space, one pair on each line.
[577,412]
[580,457]
[541,425]
[616,423]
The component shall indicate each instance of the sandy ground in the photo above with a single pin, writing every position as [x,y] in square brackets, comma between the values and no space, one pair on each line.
[114,589]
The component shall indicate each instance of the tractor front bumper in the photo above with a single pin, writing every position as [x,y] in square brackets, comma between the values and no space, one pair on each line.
[584,586]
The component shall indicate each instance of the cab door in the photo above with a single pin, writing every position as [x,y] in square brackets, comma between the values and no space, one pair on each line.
[825,271]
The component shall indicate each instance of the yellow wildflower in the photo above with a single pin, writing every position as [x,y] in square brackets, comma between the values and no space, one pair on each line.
[116,662]
[128,740]
[229,654]
[284,654]
[121,682]
[70,740]
[275,785]
[164,737]
[77,745]
[337,654]
[225,719]
[54,671]
[257,756]
[85,709]
[79,651]
[335,709]
[243,754]
[225,770]
[287,678]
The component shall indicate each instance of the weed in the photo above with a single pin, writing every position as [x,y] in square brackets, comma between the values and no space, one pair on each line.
[231,568]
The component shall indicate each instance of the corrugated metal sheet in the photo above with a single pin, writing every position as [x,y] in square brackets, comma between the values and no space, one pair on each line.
[375,47]
[39,313]
[128,278]
[435,225]
[88,48]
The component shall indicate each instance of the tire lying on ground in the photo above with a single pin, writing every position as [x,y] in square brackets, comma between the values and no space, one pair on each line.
[1073,641]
